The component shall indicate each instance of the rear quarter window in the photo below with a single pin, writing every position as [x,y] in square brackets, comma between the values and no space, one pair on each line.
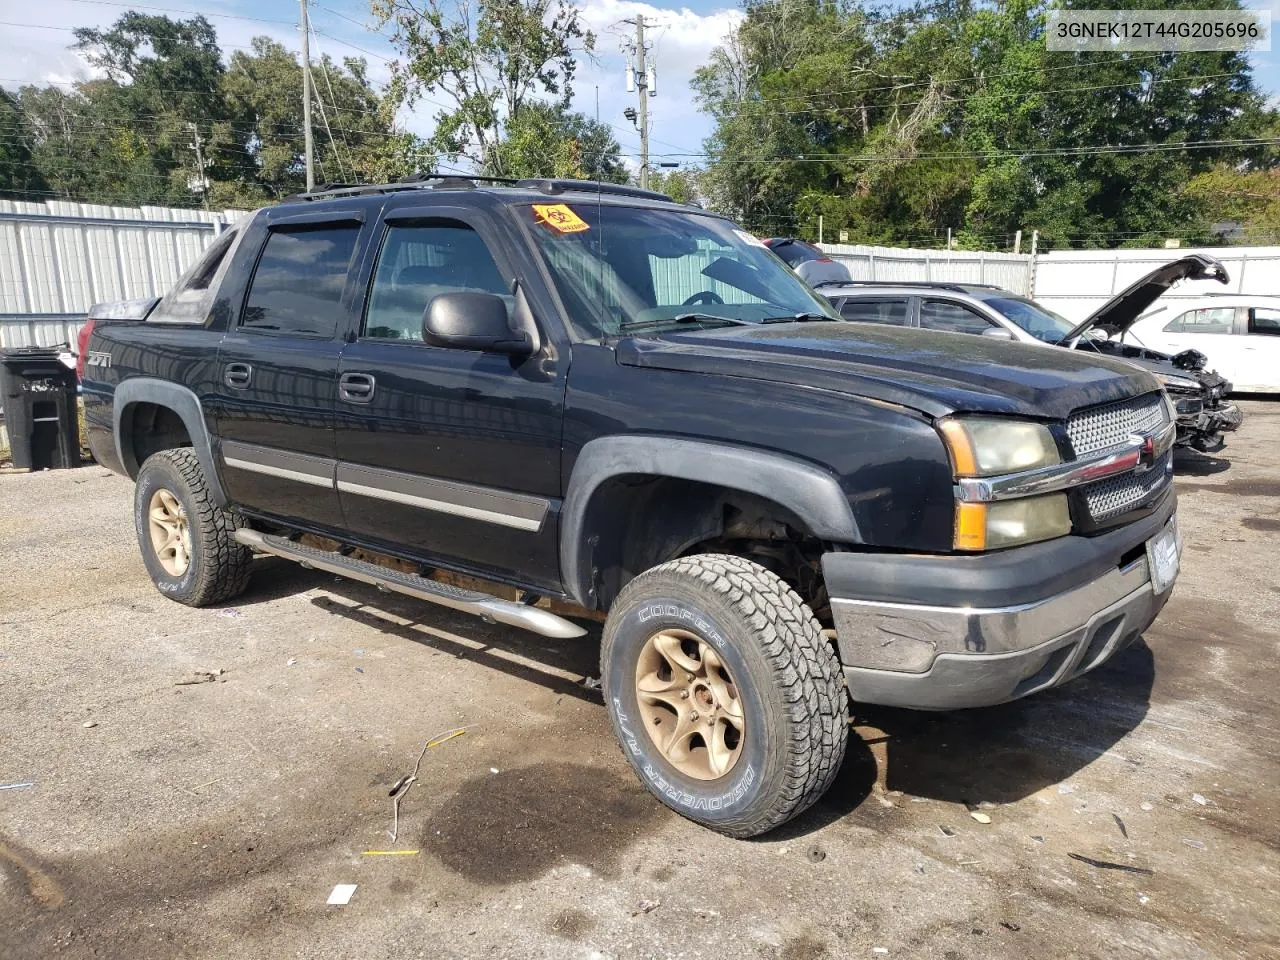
[298,284]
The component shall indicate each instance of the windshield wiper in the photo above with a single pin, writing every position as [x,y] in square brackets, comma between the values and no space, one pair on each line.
[801,318]
[682,318]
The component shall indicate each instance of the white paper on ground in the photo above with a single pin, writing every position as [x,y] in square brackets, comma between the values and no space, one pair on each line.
[342,894]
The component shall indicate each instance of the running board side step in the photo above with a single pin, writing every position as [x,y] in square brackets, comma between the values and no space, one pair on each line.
[510,612]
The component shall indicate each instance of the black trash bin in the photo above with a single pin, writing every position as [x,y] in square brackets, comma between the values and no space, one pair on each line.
[39,395]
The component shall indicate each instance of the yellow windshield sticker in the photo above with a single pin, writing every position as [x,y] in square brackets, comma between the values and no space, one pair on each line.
[559,217]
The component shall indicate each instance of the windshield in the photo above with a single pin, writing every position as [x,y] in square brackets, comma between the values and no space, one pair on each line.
[1036,320]
[623,269]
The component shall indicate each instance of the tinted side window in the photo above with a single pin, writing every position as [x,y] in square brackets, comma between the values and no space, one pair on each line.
[1264,321]
[951,317]
[202,274]
[875,311]
[1209,320]
[418,263]
[297,287]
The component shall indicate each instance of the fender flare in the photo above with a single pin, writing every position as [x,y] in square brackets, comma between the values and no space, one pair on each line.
[186,405]
[808,491]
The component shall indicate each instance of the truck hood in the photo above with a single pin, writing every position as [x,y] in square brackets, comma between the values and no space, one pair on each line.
[1119,313]
[935,373]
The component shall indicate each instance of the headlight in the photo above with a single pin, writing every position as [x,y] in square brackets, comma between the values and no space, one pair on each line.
[982,447]
[1007,523]
[1177,383]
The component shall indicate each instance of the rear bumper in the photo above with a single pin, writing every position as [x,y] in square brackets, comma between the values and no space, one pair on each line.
[1005,641]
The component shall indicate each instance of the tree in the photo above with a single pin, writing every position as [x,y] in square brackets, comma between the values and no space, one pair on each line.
[900,124]
[129,138]
[545,140]
[682,186]
[489,59]
[355,139]
[19,176]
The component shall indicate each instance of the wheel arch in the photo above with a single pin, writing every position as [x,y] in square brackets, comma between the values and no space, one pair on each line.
[689,474]
[136,394]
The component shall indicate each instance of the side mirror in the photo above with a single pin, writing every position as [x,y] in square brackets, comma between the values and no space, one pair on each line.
[997,333]
[472,321]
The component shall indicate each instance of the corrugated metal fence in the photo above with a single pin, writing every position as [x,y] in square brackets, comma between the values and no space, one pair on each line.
[1077,282]
[57,259]
[1072,282]
[1009,270]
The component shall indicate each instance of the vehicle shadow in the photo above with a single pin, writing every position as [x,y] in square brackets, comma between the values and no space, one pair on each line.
[999,754]
[517,653]
[1191,463]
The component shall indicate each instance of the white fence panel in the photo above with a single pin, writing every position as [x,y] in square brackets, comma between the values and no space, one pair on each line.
[1077,282]
[57,259]
[901,264]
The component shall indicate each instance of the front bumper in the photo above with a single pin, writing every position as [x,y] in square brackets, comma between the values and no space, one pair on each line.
[1225,417]
[1025,624]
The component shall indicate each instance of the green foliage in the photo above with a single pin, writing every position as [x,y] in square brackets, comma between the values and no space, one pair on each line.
[490,60]
[544,140]
[18,174]
[682,186]
[129,138]
[895,125]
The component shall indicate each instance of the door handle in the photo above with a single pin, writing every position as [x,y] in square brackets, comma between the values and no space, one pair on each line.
[356,387]
[237,375]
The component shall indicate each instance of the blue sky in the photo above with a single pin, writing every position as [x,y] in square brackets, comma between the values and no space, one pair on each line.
[682,40]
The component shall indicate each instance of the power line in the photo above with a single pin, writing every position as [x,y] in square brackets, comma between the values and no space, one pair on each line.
[970,79]
[191,13]
[1050,91]
[996,154]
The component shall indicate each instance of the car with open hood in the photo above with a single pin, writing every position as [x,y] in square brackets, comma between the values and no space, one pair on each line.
[553,403]
[1240,331]
[1199,394]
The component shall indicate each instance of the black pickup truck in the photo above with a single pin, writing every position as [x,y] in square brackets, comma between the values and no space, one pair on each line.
[599,397]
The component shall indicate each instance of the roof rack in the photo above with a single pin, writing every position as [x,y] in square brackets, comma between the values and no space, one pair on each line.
[434,181]
[925,284]
[554,187]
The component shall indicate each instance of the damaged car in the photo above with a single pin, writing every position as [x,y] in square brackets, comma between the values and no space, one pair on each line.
[1198,393]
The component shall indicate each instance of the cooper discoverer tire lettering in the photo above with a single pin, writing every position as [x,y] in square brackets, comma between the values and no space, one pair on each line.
[188,543]
[728,701]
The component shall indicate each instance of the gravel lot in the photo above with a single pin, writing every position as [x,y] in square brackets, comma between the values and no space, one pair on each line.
[214,819]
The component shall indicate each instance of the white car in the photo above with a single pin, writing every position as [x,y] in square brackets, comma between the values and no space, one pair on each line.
[1239,333]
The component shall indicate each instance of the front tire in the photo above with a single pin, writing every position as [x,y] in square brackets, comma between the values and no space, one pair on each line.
[728,701]
[188,542]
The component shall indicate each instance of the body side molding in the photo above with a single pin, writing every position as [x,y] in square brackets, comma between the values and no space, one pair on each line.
[301,467]
[520,511]
[809,492]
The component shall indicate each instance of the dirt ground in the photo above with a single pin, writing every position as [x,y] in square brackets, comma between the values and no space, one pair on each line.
[213,819]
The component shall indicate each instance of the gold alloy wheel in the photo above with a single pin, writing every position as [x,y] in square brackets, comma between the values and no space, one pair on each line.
[689,704]
[170,533]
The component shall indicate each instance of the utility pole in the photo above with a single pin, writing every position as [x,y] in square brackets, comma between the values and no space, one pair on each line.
[306,97]
[645,80]
[201,181]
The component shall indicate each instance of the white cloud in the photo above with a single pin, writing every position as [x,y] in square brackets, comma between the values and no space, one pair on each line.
[682,41]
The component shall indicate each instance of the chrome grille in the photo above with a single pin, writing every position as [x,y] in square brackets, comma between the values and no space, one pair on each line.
[1113,496]
[1110,425]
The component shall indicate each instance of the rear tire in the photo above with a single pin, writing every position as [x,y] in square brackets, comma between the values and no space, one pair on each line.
[727,699]
[188,542]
